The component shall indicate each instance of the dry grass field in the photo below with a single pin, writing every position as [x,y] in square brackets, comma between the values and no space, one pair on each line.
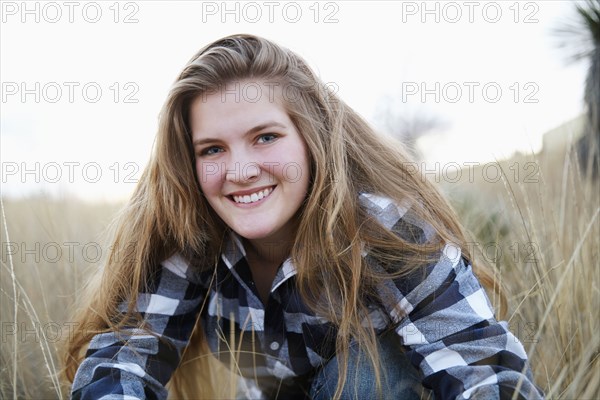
[537,224]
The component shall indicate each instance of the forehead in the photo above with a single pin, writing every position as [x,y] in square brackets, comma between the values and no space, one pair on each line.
[237,106]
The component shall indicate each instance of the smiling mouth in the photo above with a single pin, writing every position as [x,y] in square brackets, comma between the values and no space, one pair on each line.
[254,197]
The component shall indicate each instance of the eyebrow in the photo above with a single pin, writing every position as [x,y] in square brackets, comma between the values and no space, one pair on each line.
[257,128]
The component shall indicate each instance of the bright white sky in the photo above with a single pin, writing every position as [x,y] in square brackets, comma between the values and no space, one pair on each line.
[97,150]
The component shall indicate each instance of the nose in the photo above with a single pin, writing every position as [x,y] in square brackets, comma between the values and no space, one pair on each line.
[242,169]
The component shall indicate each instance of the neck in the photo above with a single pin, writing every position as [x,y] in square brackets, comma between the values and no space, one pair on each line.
[274,249]
[268,251]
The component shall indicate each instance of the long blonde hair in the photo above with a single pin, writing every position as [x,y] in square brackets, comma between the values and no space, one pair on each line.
[168,214]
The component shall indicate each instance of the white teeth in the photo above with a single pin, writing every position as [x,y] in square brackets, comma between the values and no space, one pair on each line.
[254,197]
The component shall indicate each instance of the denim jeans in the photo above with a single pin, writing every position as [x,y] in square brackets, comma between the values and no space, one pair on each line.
[399,379]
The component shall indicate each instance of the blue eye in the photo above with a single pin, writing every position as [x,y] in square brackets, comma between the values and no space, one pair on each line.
[210,151]
[267,138]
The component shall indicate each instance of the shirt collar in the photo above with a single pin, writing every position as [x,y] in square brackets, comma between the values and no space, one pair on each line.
[233,252]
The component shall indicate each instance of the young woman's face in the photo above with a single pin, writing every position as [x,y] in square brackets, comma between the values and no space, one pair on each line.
[252,163]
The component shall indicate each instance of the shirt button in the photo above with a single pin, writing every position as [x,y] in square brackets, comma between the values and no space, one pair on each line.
[274,346]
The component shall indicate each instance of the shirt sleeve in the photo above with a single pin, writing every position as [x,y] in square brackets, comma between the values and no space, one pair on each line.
[133,364]
[451,335]
[446,321]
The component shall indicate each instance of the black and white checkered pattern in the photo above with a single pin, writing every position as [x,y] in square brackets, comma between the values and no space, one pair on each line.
[445,322]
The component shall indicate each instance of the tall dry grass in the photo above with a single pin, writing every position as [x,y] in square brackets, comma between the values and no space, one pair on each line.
[538,226]
[49,248]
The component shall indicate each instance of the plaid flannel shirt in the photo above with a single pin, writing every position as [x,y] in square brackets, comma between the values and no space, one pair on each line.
[445,323]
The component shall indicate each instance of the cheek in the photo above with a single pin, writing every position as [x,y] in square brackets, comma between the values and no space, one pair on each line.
[289,164]
[299,169]
[208,176]
[305,160]
[292,172]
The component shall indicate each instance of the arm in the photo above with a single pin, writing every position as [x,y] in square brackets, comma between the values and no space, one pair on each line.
[453,338]
[133,364]
[446,321]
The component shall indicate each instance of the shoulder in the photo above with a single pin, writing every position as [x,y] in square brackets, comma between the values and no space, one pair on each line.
[398,216]
[179,266]
[423,263]
[174,278]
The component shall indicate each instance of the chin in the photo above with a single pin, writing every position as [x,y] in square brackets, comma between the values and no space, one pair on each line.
[254,234]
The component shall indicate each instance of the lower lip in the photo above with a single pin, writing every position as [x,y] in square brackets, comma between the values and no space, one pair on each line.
[254,204]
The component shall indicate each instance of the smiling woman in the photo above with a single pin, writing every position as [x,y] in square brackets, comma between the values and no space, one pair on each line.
[280,232]
[244,150]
